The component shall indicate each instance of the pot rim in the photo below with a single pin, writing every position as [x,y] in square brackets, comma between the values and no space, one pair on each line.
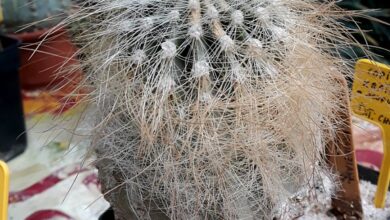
[38,35]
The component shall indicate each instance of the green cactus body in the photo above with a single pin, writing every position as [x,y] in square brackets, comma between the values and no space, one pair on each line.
[33,13]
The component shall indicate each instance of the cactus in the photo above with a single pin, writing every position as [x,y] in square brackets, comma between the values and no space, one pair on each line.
[31,14]
[211,109]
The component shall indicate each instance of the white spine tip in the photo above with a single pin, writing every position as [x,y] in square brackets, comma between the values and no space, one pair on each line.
[201,68]
[237,17]
[195,31]
[168,49]
[138,57]
[227,43]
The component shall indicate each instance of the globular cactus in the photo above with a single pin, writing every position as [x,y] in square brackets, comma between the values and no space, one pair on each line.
[211,109]
[32,14]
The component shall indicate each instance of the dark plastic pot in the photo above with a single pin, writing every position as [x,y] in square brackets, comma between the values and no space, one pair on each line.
[108,215]
[368,174]
[12,127]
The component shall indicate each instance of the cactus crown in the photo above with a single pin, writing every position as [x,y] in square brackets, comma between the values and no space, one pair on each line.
[211,108]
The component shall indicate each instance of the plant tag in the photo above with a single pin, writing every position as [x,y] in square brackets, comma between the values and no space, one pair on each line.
[4,188]
[346,203]
[371,102]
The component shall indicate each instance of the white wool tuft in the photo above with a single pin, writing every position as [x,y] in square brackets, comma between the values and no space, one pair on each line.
[195,31]
[168,49]
[212,12]
[237,17]
[201,68]
[227,43]
[138,56]
[174,15]
[263,14]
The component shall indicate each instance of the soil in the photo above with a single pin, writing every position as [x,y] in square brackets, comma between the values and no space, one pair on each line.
[308,210]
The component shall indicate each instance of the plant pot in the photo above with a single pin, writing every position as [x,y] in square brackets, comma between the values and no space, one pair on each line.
[12,127]
[107,215]
[365,173]
[47,59]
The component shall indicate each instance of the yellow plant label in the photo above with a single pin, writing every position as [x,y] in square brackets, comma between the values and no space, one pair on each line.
[4,188]
[371,101]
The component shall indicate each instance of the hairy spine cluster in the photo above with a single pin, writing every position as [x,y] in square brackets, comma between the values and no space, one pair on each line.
[214,109]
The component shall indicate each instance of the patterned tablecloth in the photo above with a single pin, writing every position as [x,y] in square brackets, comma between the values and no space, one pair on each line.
[54,178]
[368,144]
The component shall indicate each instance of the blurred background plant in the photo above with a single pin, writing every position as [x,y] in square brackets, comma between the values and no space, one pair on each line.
[375,31]
[29,15]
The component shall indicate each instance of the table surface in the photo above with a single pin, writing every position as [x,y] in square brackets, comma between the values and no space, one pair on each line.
[48,179]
